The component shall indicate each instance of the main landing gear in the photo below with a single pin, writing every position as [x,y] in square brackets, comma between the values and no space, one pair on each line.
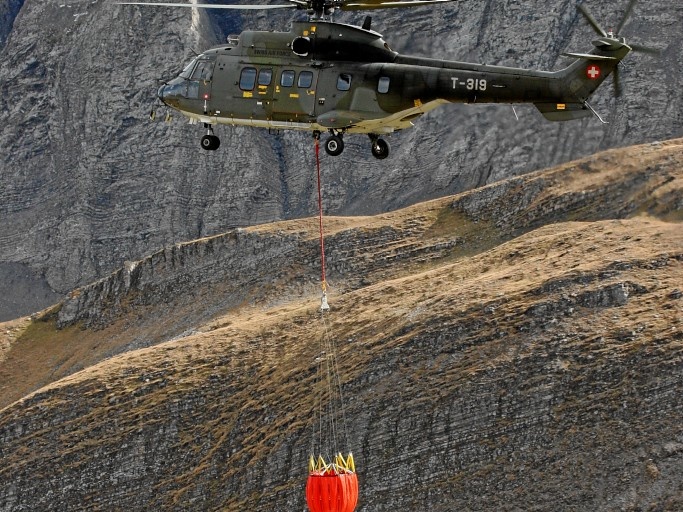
[334,145]
[209,141]
[379,148]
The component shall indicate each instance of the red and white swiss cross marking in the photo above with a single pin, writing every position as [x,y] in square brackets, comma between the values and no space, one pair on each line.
[593,72]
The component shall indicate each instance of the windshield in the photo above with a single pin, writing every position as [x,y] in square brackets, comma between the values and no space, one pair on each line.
[203,71]
[188,69]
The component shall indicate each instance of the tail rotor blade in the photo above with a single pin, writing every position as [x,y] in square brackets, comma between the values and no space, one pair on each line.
[627,15]
[644,49]
[593,23]
[617,83]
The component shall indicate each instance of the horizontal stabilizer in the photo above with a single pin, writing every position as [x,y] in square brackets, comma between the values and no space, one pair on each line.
[563,111]
[588,56]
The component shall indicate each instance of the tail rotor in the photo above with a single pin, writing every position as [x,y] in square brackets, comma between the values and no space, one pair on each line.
[612,41]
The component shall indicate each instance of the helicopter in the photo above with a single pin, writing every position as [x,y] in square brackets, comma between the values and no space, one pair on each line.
[324,76]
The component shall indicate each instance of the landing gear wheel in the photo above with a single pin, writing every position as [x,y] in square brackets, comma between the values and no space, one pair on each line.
[380,149]
[334,145]
[210,142]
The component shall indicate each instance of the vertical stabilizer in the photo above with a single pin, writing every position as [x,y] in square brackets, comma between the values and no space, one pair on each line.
[577,82]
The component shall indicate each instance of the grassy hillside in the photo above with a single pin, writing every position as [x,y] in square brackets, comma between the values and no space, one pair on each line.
[519,347]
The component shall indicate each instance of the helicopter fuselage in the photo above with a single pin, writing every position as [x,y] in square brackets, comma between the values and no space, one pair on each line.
[325,76]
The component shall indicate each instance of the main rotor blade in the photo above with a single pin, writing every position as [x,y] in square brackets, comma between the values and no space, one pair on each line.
[587,56]
[593,23]
[644,49]
[617,82]
[627,15]
[213,6]
[359,5]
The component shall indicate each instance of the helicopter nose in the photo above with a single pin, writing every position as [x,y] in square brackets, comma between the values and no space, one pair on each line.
[162,92]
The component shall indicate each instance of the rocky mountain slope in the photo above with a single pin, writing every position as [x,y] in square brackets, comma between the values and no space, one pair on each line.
[88,182]
[518,347]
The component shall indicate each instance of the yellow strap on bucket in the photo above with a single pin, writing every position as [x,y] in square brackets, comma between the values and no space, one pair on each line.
[350,463]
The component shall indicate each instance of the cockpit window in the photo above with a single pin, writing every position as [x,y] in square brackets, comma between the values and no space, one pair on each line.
[188,69]
[203,70]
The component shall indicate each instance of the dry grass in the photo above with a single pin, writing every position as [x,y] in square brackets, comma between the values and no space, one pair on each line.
[483,266]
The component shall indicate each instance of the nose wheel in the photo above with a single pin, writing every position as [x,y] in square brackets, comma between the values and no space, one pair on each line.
[209,141]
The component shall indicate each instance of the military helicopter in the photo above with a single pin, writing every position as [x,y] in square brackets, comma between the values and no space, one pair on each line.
[324,76]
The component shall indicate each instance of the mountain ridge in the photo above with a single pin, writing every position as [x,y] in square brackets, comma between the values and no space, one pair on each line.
[260,265]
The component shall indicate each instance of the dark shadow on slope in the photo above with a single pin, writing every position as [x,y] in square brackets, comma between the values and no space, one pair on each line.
[9,10]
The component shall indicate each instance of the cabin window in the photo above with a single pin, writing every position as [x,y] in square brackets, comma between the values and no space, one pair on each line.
[248,79]
[203,70]
[383,84]
[265,76]
[344,82]
[287,78]
[305,79]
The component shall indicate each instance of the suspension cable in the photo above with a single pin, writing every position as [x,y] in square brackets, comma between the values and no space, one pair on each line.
[320,216]
[328,367]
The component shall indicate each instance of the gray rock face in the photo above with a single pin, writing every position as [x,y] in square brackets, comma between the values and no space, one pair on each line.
[89,182]
[23,290]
